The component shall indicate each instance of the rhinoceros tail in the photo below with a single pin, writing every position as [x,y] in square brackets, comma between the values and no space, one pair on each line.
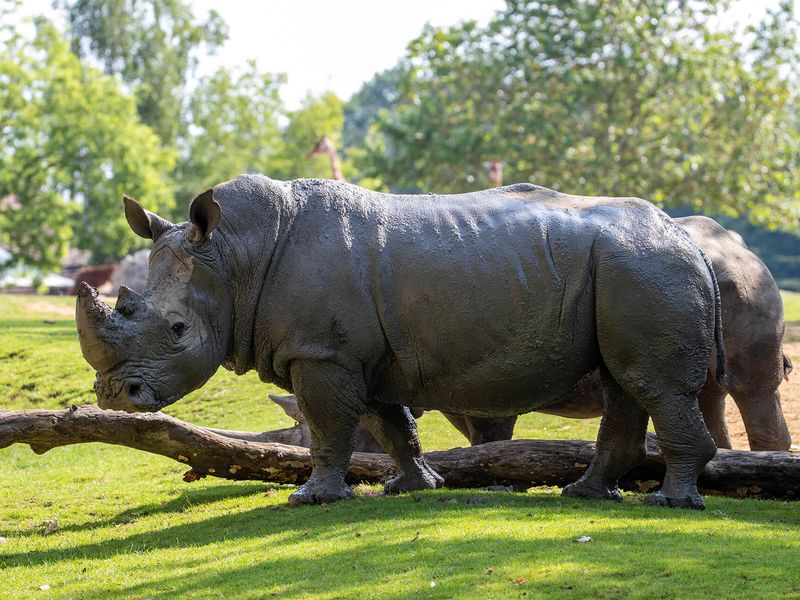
[787,367]
[720,370]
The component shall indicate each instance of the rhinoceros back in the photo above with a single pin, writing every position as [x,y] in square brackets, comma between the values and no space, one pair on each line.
[444,301]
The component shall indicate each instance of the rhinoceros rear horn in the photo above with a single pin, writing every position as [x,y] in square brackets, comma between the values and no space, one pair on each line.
[204,213]
[96,329]
[144,223]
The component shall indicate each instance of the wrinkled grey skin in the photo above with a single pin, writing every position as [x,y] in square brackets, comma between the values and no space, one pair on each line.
[753,328]
[363,303]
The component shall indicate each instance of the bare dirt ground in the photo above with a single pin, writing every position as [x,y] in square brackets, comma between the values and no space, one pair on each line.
[790,396]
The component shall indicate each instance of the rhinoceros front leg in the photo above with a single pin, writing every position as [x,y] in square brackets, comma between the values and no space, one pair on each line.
[763,417]
[332,399]
[396,430]
[712,406]
[620,445]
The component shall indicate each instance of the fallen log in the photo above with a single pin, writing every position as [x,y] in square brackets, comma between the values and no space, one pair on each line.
[250,456]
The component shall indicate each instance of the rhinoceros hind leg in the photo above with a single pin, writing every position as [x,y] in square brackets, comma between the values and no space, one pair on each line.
[396,430]
[687,447]
[694,501]
[424,478]
[332,399]
[620,445]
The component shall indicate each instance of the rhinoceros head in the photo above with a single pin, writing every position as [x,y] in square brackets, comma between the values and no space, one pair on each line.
[156,347]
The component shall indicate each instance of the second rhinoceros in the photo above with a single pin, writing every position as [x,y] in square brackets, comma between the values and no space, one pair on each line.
[488,304]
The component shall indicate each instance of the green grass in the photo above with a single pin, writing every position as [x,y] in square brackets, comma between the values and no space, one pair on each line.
[130,528]
[791,306]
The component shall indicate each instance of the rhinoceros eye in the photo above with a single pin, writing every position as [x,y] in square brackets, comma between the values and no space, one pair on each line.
[178,329]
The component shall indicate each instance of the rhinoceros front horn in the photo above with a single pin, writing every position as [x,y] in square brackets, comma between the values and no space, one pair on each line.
[97,329]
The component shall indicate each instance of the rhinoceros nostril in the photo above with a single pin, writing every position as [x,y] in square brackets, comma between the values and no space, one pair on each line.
[133,390]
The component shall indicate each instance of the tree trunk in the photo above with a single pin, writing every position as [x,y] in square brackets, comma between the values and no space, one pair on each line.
[267,457]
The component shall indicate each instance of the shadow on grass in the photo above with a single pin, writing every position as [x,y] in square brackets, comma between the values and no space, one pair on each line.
[185,501]
[367,541]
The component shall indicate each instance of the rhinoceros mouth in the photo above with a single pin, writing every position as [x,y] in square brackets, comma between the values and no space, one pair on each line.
[132,395]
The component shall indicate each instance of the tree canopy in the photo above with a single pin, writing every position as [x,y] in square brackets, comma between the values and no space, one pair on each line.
[653,99]
[317,116]
[153,45]
[661,100]
[233,128]
[70,145]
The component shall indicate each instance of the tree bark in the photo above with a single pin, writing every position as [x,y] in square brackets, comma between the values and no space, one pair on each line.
[268,457]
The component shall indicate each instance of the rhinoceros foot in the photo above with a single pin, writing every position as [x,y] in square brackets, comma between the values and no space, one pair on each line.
[322,491]
[422,477]
[693,501]
[584,488]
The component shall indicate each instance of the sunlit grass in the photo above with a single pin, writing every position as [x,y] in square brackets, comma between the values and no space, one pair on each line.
[129,526]
[791,305]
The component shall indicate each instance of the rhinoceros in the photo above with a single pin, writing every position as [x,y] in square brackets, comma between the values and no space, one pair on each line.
[488,304]
[753,328]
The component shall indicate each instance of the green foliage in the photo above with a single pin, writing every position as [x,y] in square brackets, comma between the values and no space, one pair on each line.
[318,116]
[234,129]
[791,307]
[378,95]
[70,146]
[130,528]
[651,99]
[152,45]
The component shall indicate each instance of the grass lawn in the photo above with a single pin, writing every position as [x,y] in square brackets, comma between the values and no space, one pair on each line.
[129,527]
[791,306]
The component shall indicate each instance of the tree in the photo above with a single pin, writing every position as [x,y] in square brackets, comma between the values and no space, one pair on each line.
[360,136]
[317,117]
[625,98]
[234,129]
[379,94]
[153,45]
[70,146]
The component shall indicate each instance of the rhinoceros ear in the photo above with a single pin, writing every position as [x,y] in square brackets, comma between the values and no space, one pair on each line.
[204,213]
[144,223]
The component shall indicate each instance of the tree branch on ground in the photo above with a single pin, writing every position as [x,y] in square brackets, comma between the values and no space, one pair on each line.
[267,456]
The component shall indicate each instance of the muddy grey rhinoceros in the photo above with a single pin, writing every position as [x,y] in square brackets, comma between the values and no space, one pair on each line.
[752,326]
[364,303]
